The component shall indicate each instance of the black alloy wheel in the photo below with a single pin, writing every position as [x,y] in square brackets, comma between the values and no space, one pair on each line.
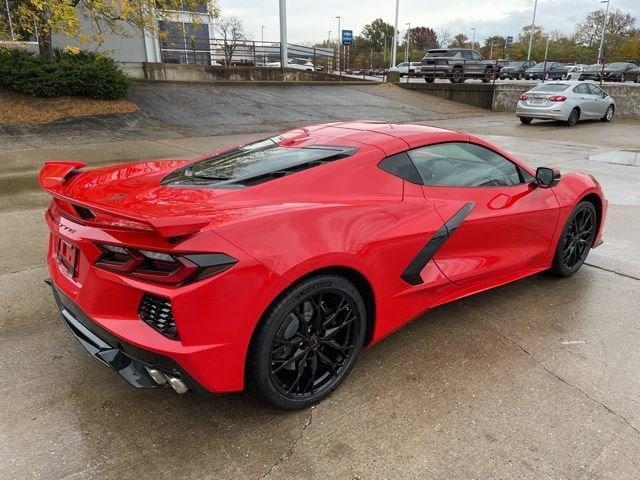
[576,240]
[308,342]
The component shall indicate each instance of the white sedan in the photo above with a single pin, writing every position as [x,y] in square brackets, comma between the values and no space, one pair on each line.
[568,101]
[295,63]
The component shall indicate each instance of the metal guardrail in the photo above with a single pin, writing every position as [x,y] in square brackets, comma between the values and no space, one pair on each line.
[204,51]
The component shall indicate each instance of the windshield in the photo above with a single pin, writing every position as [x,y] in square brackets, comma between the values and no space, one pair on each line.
[551,87]
[256,159]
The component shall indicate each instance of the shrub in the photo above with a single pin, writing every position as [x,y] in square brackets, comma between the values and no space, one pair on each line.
[85,74]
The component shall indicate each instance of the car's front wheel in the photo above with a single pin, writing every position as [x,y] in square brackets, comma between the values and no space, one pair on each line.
[608,116]
[575,240]
[525,120]
[307,342]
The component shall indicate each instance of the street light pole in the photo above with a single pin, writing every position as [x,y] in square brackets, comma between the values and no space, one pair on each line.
[394,43]
[473,41]
[406,43]
[533,24]
[491,51]
[604,27]
[284,55]
[384,49]
[262,42]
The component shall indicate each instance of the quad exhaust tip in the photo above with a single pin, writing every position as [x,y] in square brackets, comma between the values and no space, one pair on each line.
[162,379]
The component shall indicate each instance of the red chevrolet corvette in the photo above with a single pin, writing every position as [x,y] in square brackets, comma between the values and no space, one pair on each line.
[270,265]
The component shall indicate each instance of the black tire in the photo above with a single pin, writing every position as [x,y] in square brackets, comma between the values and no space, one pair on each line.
[575,242]
[525,120]
[488,75]
[307,342]
[429,79]
[457,76]
[609,114]
[574,116]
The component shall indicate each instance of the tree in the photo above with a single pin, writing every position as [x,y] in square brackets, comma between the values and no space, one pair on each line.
[619,24]
[377,33]
[230,31]
[444,38]
[423,38]
[494,47]
[87,20]
[460,41]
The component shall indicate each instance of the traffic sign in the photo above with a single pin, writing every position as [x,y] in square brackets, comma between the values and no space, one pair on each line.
[347,37]
[509,41]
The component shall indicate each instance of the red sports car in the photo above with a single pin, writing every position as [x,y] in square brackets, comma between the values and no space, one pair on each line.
[270,265]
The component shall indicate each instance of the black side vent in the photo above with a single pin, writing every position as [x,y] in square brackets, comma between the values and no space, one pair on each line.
[84,213]
[157,312]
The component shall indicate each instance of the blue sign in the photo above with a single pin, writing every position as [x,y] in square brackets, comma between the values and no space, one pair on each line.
[347,37]
[509,41]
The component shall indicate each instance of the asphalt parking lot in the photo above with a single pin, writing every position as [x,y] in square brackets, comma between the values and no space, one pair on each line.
[535,380]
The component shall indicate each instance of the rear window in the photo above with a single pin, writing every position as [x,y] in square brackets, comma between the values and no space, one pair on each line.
[551,87]
[439,53]
[262,159]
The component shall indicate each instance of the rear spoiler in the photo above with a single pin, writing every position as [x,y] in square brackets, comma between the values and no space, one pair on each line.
[53,179]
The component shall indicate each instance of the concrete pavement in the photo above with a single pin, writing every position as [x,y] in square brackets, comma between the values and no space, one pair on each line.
[535,380]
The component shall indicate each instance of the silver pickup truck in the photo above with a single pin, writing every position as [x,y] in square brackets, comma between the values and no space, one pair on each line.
[457,64]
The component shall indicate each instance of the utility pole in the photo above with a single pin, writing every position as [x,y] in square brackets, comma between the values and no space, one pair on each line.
[284,55]
[340,49]
[491,51]
[604,28]
[533,24]
[473,41]
[13,36]
[406,43]
[394,44]
[384,49]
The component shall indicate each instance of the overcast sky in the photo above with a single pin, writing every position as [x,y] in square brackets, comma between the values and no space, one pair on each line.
[310,20]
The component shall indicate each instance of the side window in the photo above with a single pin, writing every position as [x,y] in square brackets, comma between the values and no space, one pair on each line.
[582,88]
[401,166]
[594,89]
[476,56]
[464,165]
[466,54]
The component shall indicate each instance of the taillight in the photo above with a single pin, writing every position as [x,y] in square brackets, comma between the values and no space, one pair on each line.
[557,98]
[162,267]
[524,96]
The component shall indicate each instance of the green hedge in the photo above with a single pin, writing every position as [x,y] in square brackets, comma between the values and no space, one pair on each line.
[83,74]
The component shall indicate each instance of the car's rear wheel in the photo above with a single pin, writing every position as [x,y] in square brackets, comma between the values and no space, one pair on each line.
[429,79]
[575,240]
[456,75]
[308,342]
[525,120]
[608,116]
[574,116]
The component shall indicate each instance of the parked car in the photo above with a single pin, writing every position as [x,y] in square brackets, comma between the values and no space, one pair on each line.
[406,68]
[568,101]
[457,64]
[515,70]
[546,71]
[619,72]
[574,71]
[634,74]
[271,265]
[295,63]
[592,72]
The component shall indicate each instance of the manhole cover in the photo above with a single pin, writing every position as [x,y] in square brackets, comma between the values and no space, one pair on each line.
[619,157]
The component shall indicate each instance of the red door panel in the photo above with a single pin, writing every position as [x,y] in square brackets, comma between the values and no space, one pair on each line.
[507,230]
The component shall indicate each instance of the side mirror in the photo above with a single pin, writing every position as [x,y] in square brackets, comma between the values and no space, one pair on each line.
[547,177]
